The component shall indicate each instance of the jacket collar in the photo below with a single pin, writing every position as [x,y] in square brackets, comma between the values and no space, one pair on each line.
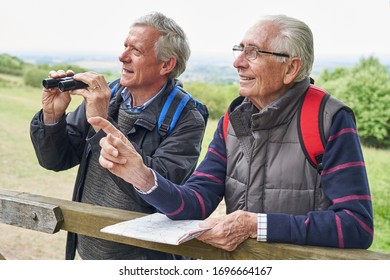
[245,117]
[149,116]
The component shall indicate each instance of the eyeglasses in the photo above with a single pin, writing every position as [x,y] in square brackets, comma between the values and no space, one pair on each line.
[251,52]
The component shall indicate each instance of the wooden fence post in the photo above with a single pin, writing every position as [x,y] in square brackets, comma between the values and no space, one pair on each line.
[29,214]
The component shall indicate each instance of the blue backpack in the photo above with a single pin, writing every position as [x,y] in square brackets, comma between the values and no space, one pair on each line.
[172,109]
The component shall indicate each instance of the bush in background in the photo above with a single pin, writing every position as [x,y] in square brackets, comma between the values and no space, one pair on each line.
[11,65]
[216,97]
[34,75]
[366,89]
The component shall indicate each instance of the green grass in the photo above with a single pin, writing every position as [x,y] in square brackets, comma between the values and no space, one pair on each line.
[378,166]
[19,169]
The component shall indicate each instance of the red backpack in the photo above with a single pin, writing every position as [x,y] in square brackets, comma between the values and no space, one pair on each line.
[310,128]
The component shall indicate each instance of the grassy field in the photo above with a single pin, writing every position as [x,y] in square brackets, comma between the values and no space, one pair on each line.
[20,171]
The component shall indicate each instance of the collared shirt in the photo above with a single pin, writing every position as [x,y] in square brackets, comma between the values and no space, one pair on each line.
[127,100]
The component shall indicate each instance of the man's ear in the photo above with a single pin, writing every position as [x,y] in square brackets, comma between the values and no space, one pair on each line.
[168,66]
[293,66]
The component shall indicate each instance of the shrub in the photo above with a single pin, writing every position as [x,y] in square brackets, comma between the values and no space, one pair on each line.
[11,65]
[33,76]
[366,89]
[216,97]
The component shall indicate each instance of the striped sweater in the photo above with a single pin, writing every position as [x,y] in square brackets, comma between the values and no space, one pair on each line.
[347,223]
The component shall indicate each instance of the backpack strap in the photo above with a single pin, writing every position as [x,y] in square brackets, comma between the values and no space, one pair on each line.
[171,110]
[114,85]
[311,127]
[225,124]
[173,107]
[226,119]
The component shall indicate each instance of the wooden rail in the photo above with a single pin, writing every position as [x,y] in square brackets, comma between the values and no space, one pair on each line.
[89,219]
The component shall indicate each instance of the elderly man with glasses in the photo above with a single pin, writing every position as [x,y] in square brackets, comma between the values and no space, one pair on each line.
[257,164]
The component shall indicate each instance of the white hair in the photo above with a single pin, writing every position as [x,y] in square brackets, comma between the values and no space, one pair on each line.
[296,39]
[172,42]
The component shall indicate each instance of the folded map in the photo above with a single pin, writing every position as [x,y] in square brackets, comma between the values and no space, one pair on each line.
[158,228]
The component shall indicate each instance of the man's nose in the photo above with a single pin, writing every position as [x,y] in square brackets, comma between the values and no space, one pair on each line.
[240,61]
[125,56]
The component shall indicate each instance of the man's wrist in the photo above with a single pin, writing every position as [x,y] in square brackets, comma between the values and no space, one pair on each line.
[152,185]
[262,227]
[50,119]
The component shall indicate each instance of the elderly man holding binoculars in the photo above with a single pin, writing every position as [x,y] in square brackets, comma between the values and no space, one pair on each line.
[155,53]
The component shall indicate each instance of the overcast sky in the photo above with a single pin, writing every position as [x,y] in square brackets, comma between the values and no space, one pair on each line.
[340,27]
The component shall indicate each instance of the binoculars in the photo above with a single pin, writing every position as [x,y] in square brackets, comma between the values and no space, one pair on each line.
[64,84]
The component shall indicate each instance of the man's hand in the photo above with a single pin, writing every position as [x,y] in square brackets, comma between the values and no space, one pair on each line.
[96,96]
[120,158]
[230,231]
[55,102]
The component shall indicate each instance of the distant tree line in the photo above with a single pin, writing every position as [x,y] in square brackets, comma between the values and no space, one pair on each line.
[364,87]
[11,65]
[32,74]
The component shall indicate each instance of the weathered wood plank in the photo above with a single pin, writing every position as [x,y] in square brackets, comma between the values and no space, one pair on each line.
[29,214]
[89,219]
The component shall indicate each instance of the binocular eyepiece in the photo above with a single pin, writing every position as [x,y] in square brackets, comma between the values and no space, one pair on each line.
[64,84]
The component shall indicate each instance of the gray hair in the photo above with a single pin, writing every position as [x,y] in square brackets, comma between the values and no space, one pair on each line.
[296,39]
[172,42]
